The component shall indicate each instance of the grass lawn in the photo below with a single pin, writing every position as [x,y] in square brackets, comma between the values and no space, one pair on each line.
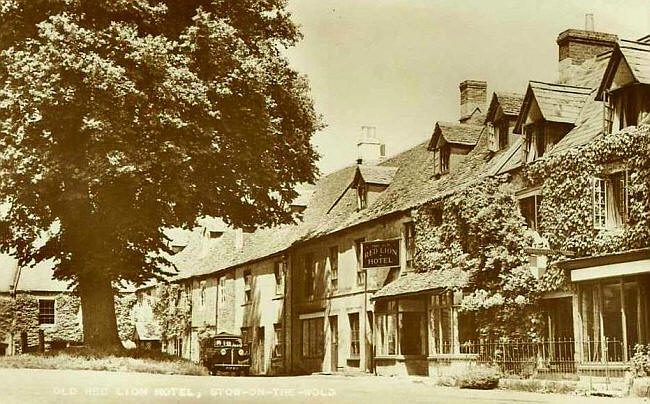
[128,360]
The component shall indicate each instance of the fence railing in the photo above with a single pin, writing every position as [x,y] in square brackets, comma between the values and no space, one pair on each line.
[562,357]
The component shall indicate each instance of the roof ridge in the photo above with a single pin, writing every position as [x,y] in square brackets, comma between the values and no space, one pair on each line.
[560,85]
[461,124]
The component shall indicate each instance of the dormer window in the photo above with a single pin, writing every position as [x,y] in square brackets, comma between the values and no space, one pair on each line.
[498,135]
[362,195]
[625,90]
[441,157]
[625,107]
[549,111]
[452,138]
[535,144]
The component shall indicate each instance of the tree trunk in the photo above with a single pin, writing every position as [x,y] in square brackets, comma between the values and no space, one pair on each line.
[98,312]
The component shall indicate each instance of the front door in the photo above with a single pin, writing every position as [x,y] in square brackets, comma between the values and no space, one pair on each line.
[334,342]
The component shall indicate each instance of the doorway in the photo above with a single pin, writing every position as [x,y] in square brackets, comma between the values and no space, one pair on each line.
[334,343]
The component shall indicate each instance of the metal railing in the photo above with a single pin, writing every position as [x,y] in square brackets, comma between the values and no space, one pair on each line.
[562,358]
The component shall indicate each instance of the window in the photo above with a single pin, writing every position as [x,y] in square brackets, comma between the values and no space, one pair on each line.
[309,275]
[46,311]
[361,274]
[442,322]
[355,347]
[278,340]
[313,338]
[444,159]
[401,327]
[248,279]
[625,107]
[178,347]
[529,208]
[503,132]
[611,200]
[202,293]
[222,289]
[492,138]
[436,161]
[278,270]
[362,195]
[409,243]
[387,328]
[534,142]
[334,267]
[246,336]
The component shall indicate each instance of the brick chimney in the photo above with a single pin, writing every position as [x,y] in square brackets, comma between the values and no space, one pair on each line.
[576,46]
[473,95]
[371,149]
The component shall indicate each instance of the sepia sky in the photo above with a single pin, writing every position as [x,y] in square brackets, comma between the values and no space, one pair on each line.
[396,64]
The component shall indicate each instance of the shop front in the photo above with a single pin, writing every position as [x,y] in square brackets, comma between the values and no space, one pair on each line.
[610,306]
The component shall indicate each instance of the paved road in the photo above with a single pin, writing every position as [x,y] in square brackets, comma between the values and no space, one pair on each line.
[71,386]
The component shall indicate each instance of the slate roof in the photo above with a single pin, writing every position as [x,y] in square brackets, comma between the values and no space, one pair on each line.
[205,256]
[557,102]
[36,279]
[379,175]
[333,207]
[418,282]
[510,104]
[456,133]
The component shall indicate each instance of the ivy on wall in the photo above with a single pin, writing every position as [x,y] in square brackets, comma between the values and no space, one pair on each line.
[480,231]
[20,313]
[124,304]
[68,326]
[479,235]
[172,309]
[566,211]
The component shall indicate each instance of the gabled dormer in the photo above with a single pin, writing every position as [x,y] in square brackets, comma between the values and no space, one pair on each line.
[625,89]
[370,181]
[450,143]
[500,120]
[548,112]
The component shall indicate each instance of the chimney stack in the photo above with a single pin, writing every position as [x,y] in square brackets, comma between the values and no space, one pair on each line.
[577,46]
[371,149]
[239,239]
[589,22]
[473,95]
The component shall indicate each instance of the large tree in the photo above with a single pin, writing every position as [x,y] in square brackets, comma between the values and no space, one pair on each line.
[120,118]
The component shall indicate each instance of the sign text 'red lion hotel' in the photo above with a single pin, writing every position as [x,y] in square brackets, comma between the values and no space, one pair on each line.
[382,253]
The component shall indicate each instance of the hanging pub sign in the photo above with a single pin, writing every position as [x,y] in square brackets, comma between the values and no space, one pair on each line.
[381,253]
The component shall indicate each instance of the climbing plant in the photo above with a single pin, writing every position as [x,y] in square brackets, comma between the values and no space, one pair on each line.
[566,211]
[172,309]
[476,238]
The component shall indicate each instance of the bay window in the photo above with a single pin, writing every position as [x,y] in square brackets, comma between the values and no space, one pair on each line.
[401,327]
[442,323]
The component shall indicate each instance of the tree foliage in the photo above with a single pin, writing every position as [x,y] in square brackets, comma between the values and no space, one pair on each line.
[121,118]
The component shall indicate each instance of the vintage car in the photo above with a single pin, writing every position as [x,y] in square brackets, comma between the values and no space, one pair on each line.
[226,354]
